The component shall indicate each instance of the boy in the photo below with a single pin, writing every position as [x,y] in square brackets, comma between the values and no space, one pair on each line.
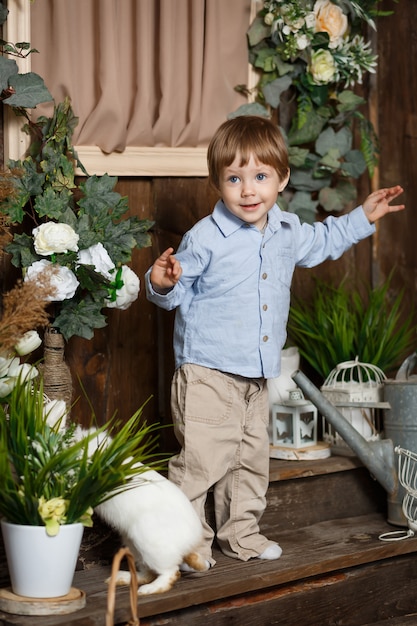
[230,280]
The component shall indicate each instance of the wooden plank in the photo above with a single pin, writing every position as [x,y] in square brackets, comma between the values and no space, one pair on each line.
[285,470]
[361,594]
[326,548]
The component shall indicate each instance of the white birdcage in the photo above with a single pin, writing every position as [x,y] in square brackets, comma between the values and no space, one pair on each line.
[355,389]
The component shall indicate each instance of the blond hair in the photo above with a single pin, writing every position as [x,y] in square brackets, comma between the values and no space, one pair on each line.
[247,135]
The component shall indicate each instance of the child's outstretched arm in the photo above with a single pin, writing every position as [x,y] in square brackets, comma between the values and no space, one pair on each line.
[166,271]
[377,204]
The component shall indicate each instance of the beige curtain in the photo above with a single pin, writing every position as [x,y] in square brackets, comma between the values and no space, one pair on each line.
[143,72]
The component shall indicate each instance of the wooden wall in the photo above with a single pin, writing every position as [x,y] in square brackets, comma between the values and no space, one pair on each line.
[131,360]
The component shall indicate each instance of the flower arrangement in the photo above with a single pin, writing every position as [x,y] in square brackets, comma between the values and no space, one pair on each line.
[47,475]
[77,233]
[310,55]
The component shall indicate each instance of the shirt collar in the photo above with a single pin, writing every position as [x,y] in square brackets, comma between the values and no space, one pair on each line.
[229,223]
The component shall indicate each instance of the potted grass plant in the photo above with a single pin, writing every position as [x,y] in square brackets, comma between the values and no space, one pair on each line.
[50,483]
[339,325]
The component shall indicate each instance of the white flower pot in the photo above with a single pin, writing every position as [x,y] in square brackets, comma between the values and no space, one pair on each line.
[41,566]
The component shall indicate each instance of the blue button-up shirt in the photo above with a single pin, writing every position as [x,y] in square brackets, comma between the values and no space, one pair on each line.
[233,297]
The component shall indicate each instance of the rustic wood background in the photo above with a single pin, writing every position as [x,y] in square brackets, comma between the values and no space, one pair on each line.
[130,361]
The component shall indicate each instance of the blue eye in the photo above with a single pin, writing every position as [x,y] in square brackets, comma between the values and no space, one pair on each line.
[260,176]
[234,179]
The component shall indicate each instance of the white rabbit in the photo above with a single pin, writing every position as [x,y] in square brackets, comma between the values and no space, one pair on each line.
[158,523]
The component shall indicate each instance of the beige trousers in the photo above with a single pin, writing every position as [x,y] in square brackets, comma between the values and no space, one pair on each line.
[221,422]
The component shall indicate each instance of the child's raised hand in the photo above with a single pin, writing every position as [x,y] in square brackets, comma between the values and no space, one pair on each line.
[377,204]
[166,271]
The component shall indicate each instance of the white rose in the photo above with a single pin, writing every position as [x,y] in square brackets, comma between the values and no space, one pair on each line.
[322,67]
[330,19]
[54,238]
[62,280]
[129,292]
[28,343]
[97,256]
[269,19]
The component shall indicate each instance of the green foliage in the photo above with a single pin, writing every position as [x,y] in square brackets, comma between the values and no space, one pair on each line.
[44,189]
[339,325]
[319,109]
[20,91]
[38,460]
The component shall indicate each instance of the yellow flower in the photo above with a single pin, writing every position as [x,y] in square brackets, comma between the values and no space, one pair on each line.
[52,513]
[86,519]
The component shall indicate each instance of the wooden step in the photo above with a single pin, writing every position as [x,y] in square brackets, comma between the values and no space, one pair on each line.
[326,560]
[327,516]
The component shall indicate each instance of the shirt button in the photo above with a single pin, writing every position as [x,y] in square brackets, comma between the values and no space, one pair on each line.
[265,337]
[265,307]
[264,275]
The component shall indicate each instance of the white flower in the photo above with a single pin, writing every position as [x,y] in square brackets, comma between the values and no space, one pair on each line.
[128,293]
[62,280]
[28,343]
[54,411]
[54,238]
[269,19]
[15,371]
[302,41]
[23,371]
[13,367]
[6,386]
[5,363]
[97,256]
[322,67]
[310,19]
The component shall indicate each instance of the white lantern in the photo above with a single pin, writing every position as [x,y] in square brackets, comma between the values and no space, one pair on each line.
[294,423]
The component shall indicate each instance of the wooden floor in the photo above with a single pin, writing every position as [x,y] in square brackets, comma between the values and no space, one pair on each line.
[321,555]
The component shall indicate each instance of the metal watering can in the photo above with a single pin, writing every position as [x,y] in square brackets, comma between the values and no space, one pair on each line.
[400,426]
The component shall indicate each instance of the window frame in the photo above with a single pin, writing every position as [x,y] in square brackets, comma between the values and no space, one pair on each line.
[147,162]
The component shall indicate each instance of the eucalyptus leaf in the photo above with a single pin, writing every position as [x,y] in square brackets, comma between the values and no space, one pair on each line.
[304,181]
[252,108]
[266,60]
[331,160]
[274,89]
[258,31]
[309,131]
[302,205]
[297,157]
[349,101]
[354,164]
[330,200]
[330,140]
